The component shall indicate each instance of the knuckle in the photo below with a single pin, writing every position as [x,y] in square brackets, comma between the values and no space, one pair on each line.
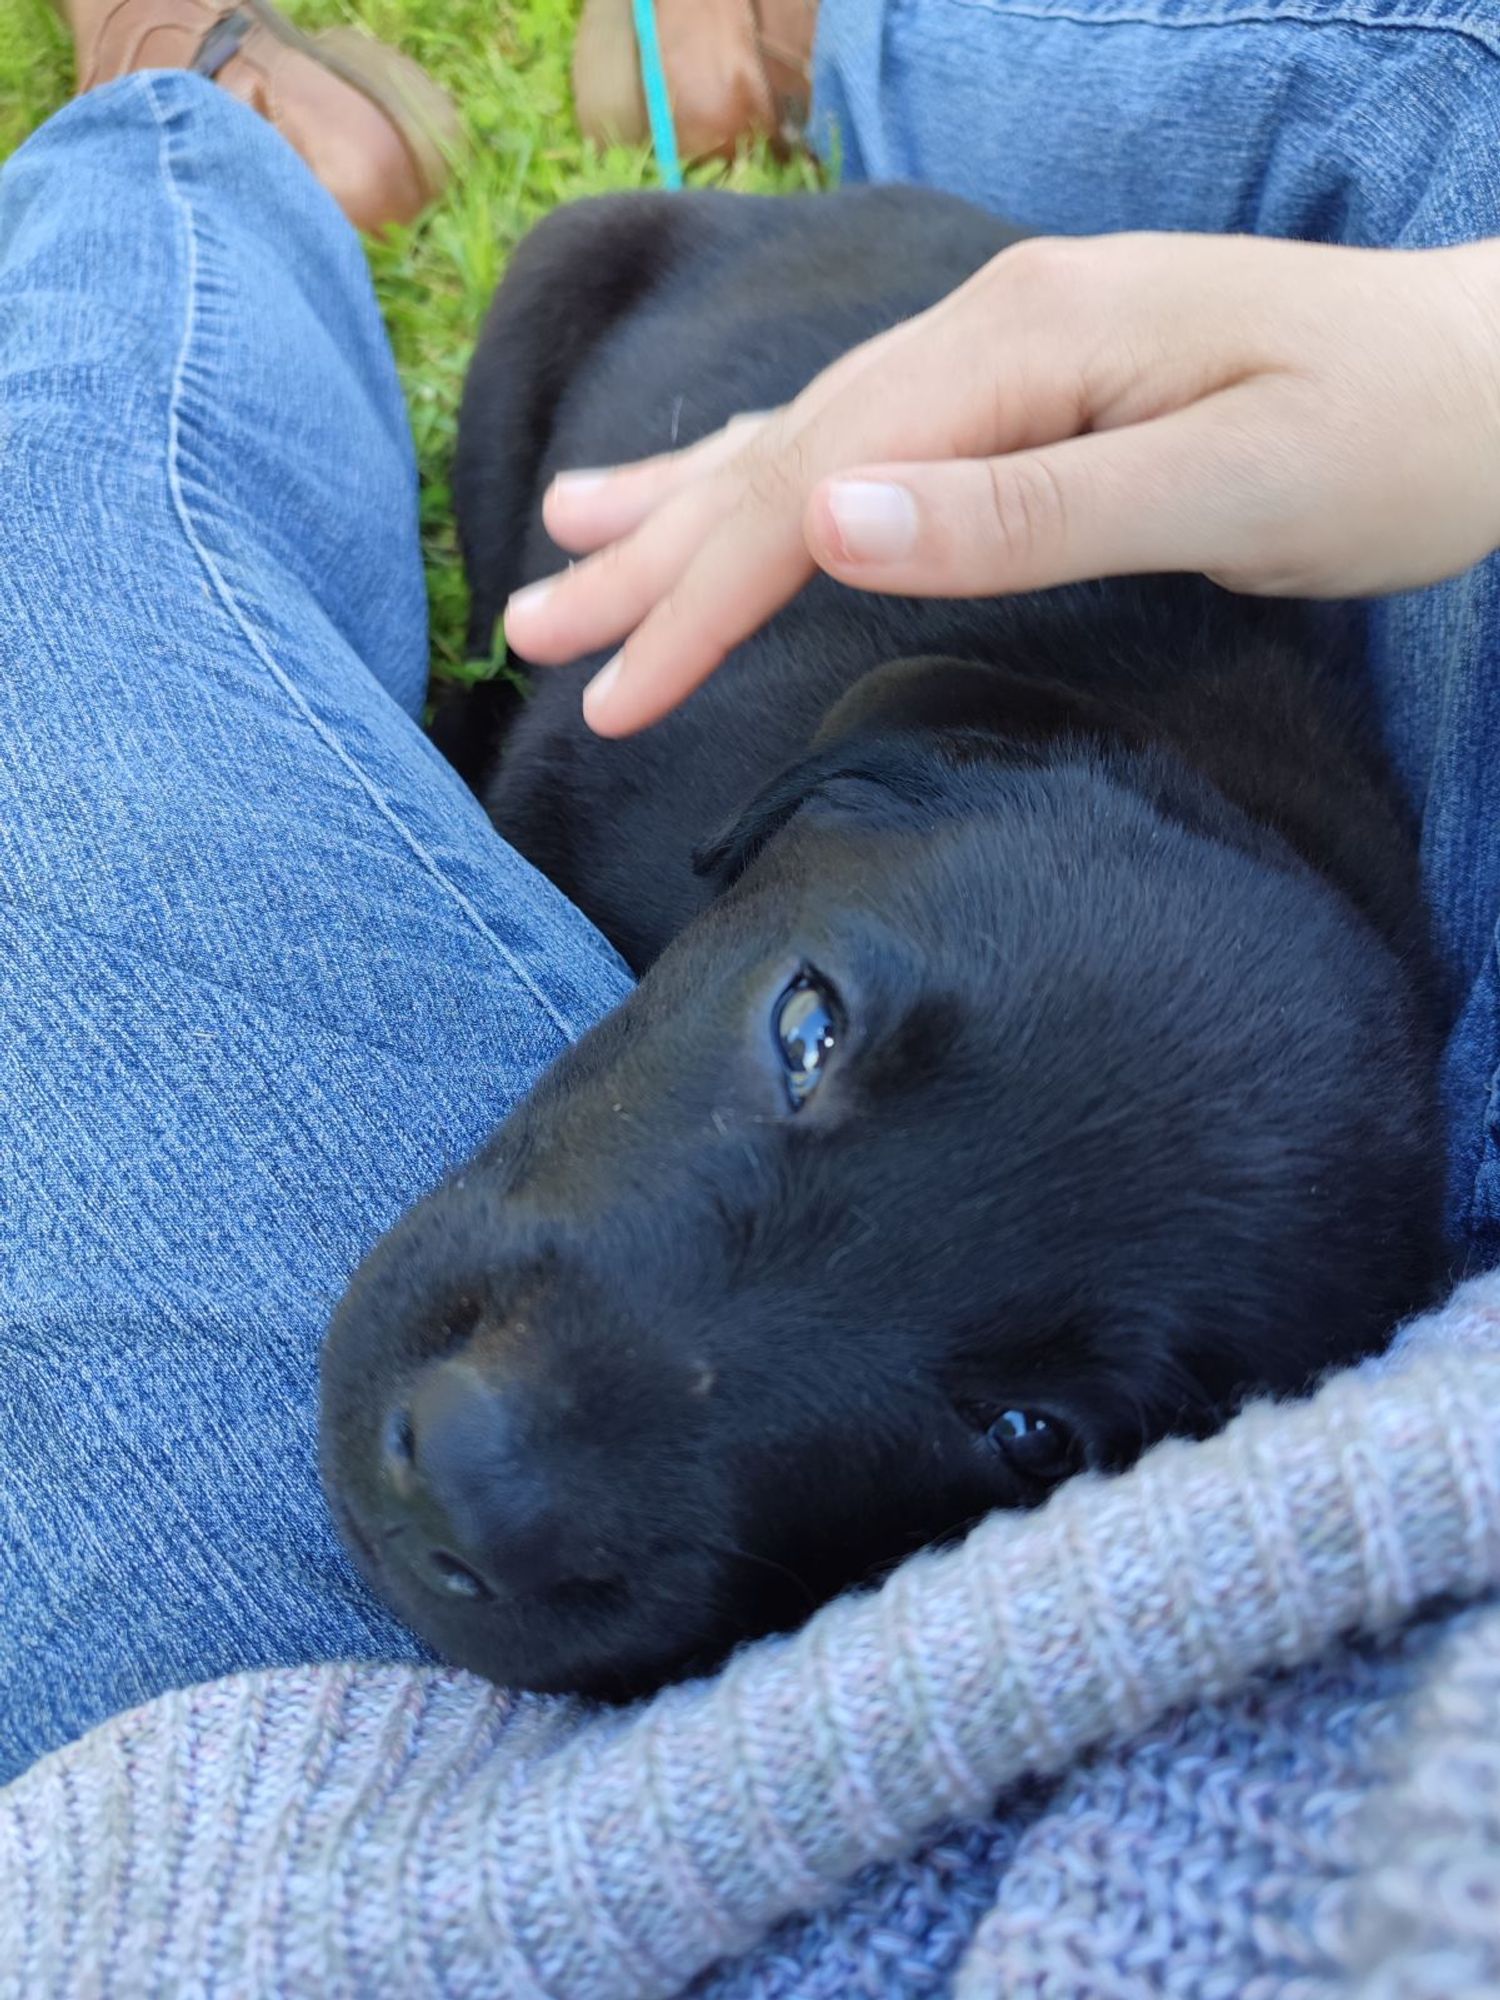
[684,607]
[605,571]
[1029,514]
[670,612]
[775,478]
[683,625]
[608,586]
[1046,271]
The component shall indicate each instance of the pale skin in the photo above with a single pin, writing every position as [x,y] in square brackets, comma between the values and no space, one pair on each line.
[1287,419]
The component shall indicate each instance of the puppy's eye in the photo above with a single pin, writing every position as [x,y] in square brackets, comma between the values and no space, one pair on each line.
[1038,1446]
[806,1026]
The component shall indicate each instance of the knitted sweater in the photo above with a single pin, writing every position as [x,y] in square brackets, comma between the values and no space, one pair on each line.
[1239,1708]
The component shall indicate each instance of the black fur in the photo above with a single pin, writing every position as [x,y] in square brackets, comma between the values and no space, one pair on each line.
[1131,1108]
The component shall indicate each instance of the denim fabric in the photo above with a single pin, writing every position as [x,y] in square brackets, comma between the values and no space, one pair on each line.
[1374,123]
[265,970]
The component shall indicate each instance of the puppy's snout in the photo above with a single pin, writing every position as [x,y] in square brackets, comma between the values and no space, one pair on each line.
[472,1506]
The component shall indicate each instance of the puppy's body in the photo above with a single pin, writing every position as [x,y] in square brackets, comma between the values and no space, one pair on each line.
[631,325]
[1036,1059]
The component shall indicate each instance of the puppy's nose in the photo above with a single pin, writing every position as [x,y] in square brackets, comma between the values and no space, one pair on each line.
[469,1489]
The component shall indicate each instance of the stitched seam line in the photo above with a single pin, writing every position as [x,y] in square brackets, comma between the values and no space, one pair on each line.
[236,612]
[1489,1118]
[1239,17]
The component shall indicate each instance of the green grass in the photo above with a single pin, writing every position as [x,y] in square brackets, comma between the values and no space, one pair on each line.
[506,64]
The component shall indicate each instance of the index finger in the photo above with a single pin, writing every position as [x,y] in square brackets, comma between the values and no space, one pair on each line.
[583,510]
[745,571]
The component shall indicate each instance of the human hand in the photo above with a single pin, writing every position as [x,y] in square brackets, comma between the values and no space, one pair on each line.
[1288,419]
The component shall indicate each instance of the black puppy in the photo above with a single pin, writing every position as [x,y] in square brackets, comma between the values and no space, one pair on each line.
[1033,1057]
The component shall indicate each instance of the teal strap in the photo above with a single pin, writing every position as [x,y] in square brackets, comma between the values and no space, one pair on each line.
[658,99]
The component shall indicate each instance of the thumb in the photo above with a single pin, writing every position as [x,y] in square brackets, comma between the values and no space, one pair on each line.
[1171,494]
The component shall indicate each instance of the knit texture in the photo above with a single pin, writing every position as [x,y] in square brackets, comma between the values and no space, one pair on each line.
[1233,1737]
[1425,1912]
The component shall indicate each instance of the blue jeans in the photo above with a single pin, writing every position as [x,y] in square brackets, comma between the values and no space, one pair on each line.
[265,970]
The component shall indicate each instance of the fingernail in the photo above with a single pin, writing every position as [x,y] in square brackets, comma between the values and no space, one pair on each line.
[599,687]
[532,598]
[576,484]
[874,522]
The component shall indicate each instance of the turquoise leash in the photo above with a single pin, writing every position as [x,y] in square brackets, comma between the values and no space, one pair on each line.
[658,98]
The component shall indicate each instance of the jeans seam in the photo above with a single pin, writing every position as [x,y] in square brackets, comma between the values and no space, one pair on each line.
[1489,1124]
[1250,15]
[246,625]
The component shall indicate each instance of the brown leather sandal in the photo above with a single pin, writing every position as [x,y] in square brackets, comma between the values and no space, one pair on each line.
[734,69]
[372,125]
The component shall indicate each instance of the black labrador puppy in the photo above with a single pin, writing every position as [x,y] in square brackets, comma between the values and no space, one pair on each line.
[1034,1054]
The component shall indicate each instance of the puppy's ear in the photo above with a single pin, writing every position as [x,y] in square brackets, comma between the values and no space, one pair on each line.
[578,274]
[995,710]
[883,778]
[894,741]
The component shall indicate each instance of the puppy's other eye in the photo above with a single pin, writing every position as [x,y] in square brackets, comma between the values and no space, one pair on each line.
[1038,1446]
[806,1027]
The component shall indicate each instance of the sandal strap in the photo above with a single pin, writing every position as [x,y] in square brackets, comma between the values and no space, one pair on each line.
[223,41]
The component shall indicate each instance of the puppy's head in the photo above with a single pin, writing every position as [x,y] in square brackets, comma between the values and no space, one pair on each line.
[1005,1112]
